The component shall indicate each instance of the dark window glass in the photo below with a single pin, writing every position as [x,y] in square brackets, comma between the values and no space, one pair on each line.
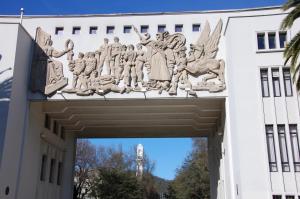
[282,39]
[55,127]
[76,30]
[261,41]
[196,27]
[47,122]
[264,82]
[287,82]
[93,30]
[276,82]
[59,30]
[43,168]
[295,146]
[144,29]
[272,40]
[283,148]
[271,148]
[110,29]
[59,173]
[277,197]
[62,133]
[178,28]
[52,170]
[127,29]
[290,197]
[161,28]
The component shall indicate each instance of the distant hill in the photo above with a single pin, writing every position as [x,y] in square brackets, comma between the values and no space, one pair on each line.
[161,184]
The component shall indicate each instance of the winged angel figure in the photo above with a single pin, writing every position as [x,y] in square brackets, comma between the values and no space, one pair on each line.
[201,60]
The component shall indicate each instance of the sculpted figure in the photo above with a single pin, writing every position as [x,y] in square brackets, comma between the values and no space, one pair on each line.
[115,50]
[103,56]
[130,71]
[202,60]
[139,63]
[47,73]
[122,62]
[105,84]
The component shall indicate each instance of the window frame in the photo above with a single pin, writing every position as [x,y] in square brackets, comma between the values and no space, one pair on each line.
[285,69]
[265,79]
[43,169]
[75,29]
[277,78]
[180,26]
[59,29]
[127,27]
[295,134]
[143,27]
[272,164]
[52,170]
[284,164]
[110,28]
[161,26]
[93,28]
[198,25]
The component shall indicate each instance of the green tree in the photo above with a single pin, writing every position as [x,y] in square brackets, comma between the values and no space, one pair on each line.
[292,50]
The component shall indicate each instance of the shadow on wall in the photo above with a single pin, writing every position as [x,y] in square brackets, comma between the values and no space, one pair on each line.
[5,88]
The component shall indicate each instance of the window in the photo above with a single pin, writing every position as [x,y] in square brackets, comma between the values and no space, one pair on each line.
[283,148]
[196,27]
[110,29]
[52,169]
[287,82]
[282,39]
[295,146]
[59,30]
[93,30]
[59,173]
[277,197]
[271,148]
[76,30]
[55,127]
[261,41]
[264,82]
[272,40]
[47,122]
[290,197]
[276,82]
[178,28]
[43,168]
[62,133]
[127,29]
[161,28]
[144,29]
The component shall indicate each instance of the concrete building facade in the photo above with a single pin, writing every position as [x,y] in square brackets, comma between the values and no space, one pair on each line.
[249,109]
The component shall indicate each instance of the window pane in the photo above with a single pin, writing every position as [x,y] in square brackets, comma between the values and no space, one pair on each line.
[178,28]
[271,148]
[47,123]
[276,82]
[144,29]
[59,30]
[110,29]
[55,127]
[76,31]
[59,173]
[295,146]
[272,40]
[62,133]
[43,168]
[261,41]
[283,148]
[196,27]
[93,30]
[52,169]
[161,28]
[277,197]
[127,29]
[287,82]
[290,197]
[282,39]
[264,82]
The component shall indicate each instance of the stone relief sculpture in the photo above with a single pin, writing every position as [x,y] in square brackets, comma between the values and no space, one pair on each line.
[160,64]
[47,72]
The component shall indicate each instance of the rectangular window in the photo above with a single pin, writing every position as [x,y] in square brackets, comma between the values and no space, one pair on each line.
[290,197]
[277,196]
[295,146]
[271,148]
[261,41]
[62,133]
[144,29]
[196,27]
[43,168]
[127,29]
[55,127]
[59,173]
[161,28]
[110,29]
[93,30]
[288,86]
[178,28]
[282,39]
[264,82]
[59,30]
[272,40]
[276,82]
[283,148]
[52,170]
[76,30]
[47,122]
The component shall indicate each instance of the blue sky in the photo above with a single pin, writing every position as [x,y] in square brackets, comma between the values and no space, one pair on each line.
[124,6]
[167,153]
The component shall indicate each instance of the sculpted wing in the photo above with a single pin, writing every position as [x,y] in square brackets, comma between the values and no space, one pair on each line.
[41,37]
[204,35]
[211,47]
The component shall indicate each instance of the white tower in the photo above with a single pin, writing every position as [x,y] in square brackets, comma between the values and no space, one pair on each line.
[139,160]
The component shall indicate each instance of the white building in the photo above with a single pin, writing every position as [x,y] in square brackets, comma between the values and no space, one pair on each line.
[251,119]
